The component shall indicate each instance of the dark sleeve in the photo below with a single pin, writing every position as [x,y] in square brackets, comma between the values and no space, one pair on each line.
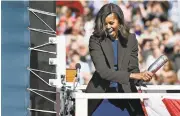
[102,69]
[134,62]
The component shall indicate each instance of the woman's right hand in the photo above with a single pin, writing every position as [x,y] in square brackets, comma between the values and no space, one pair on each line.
[145,76]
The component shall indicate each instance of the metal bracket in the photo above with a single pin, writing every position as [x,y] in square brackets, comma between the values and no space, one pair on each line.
[52,40]
[52,61]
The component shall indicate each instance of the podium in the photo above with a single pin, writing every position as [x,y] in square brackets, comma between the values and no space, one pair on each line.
[81,99]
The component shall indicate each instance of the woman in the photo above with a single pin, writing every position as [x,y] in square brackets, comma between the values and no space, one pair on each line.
[114,52]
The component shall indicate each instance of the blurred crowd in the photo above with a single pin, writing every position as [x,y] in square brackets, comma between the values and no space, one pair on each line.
[155,23]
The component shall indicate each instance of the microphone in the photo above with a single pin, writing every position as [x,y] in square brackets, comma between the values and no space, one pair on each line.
[77,78]
[155,66]
[78,67]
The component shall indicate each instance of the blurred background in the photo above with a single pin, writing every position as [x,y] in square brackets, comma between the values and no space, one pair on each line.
[155,23]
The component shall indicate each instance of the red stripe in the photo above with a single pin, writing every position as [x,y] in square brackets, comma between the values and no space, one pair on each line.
[173,106]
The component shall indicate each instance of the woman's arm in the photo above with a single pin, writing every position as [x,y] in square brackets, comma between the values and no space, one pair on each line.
[102,69]
[133,67]
[106,73]
[134,62]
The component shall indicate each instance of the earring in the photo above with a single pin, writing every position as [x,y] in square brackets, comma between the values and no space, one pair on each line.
[120,27]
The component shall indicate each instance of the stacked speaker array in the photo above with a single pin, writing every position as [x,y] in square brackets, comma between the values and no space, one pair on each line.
[42,28]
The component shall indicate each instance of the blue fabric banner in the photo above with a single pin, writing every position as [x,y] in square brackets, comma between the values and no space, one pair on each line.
[15,58]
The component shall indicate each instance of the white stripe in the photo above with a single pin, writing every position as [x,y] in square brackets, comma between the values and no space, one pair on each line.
[149,87]
[121,95]
[155,107]
[177,96]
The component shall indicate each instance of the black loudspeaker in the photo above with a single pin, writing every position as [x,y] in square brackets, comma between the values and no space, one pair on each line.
[40,60]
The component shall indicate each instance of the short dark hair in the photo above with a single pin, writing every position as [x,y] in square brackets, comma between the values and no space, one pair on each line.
[99,29]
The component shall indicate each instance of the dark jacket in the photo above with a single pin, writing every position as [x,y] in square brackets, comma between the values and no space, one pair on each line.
[102,56]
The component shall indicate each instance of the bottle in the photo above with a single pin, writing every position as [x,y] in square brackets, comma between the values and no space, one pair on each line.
[154,67]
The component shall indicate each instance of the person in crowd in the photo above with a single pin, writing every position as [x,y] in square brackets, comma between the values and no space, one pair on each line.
[168,74]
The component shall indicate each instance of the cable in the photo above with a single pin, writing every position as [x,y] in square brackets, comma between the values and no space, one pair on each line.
[41,45]
[40,78]
[41,71]
[37,48]
[45,111]
[41,90]
[41,12]
[42,96]
[40,30]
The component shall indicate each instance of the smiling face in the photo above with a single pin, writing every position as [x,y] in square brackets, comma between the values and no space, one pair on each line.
[112,24]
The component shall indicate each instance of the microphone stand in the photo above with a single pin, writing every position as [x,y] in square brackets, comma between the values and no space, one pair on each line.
[68,95]
[77,79]
[64,97]
[75,83]
[67,102]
